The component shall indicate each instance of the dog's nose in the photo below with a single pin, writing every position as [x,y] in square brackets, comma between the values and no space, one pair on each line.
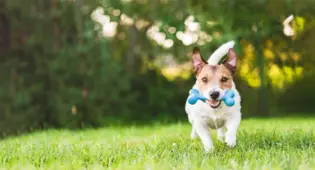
[214,95]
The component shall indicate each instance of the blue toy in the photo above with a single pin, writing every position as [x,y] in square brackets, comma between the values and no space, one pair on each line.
[194,96]
[228,98]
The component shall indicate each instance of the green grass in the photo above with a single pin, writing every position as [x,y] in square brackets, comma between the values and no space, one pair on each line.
[282,143]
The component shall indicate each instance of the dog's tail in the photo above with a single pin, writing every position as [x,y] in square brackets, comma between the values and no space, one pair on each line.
[220,52]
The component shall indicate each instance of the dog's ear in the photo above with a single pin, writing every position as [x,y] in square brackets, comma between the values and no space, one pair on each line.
[231,62]
[197,60]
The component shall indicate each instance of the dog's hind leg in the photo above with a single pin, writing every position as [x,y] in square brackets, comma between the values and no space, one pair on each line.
[220,134]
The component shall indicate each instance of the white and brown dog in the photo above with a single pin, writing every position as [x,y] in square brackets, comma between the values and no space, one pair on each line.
[213,79]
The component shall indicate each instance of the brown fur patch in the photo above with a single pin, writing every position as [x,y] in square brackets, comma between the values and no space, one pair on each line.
[219,75]
[197,61]
[214,68]
[231,62]
[208,76]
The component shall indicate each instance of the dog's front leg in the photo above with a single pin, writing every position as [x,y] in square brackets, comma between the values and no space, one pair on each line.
[193,133]
[202,130]
[232,126]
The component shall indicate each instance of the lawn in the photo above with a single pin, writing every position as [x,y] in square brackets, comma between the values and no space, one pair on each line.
[279,143]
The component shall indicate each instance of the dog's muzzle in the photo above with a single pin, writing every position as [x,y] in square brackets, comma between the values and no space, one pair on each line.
[213,101]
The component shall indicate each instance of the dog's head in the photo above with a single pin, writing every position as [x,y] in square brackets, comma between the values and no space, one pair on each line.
[213,80]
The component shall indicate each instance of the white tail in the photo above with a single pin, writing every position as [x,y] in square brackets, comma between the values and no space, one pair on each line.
[220,52]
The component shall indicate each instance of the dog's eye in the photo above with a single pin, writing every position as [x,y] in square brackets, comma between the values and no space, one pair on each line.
[205,80]
[224,79]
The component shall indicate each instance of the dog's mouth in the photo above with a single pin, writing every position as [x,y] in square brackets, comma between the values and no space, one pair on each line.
[214,103]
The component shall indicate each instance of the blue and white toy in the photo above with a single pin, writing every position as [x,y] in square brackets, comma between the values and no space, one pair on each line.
[227,98]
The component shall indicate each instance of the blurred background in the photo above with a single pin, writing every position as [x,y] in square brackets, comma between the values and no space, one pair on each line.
[89,63]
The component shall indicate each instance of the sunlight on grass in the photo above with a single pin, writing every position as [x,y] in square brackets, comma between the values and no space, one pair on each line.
[282,143]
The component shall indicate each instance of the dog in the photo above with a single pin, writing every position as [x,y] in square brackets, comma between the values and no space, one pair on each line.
[212,80]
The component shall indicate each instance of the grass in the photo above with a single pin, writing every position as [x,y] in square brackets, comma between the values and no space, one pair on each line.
[279,143]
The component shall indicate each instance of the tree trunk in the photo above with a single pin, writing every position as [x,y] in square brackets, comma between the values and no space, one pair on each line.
[4,30]
[131,57]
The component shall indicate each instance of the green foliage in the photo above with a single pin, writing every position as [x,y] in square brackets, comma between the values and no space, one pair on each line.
[284,143]
[48,76]
[58,71]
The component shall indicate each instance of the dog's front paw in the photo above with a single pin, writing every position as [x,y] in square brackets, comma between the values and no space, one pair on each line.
[209,149]
[230,141]
[193,135]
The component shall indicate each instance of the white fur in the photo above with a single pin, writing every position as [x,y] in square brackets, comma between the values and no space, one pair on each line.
[220,52]
[225,119]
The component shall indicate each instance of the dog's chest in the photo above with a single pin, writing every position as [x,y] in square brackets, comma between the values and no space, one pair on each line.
[215,123]
[215,118]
